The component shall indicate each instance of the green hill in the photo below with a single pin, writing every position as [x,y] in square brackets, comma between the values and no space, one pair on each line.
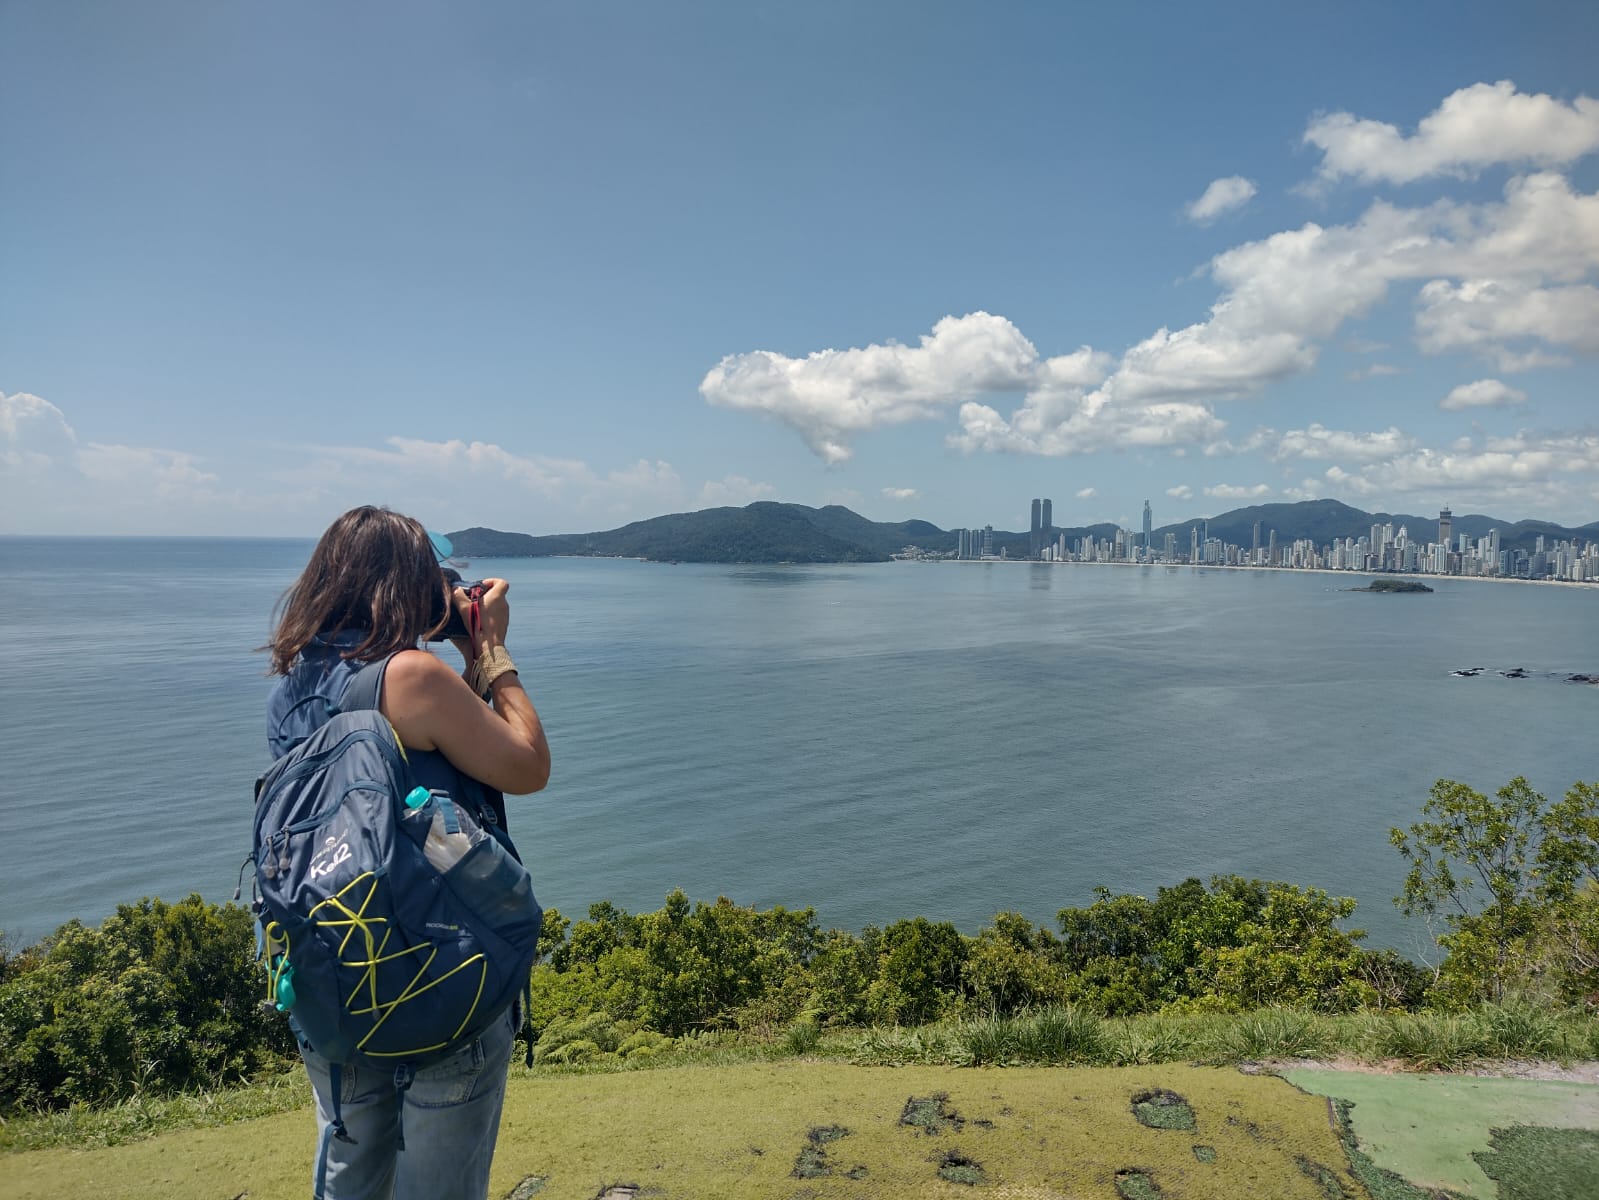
[764,532]
[772,532]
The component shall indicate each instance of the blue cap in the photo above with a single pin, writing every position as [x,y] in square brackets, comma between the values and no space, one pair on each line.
[442,547]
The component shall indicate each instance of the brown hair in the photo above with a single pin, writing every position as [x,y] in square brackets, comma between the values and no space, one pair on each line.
[373,570]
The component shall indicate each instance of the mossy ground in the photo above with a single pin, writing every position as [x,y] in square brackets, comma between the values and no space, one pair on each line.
[738,1131]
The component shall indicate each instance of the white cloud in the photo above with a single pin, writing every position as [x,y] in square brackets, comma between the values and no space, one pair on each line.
[1374,371]
[167,472]
[1485,393]
[1084,424]
[1087,493]
[1487,313]
[1317,441]
[894,493]
[22,409]
[734,491]
[1475,127]
[1512,362]
[1181,492]
[1227,491]
[33,432]
[831,394]
[1540,471]
[1223,195]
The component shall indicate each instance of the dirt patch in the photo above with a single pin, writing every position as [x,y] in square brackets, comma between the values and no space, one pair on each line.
[1323,1177]
[812,1161]
[1515,1068]
[1135,1183]
[1162,1109]
[931,1114]
[955,1167]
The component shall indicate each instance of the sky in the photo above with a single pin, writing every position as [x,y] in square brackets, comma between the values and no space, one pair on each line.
[554,267]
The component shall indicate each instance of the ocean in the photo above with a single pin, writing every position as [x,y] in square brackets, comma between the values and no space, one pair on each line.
[875,741]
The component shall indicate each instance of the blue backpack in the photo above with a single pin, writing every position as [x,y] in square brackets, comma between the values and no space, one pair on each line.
[378,955]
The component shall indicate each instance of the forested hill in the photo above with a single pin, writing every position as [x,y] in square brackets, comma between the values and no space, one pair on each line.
[763,532]
[771,532]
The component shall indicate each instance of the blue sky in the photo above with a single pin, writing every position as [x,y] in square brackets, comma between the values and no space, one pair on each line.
[554,267]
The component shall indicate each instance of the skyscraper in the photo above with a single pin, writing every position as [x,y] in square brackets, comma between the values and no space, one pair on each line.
[1035,537]
[1149,527]
[1046,519]
[1445,520]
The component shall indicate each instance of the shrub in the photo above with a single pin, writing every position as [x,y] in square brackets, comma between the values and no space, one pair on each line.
[1428,1040]
[159,997]
[802,1036]
[918,972]
[1279,1033]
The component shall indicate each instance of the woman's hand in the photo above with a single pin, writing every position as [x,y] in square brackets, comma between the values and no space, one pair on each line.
[494,613]
[493,620]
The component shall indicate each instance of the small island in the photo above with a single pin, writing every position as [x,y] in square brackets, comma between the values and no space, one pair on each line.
[1393,585]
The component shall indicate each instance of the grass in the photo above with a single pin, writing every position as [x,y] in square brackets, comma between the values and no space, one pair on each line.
[145,1115]
[742,1130]
[1420,1041]
[1056,1035]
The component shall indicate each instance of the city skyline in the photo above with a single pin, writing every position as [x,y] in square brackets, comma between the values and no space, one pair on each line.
[1386,548]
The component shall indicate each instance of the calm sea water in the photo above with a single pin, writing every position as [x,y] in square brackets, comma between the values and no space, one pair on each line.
[875,741]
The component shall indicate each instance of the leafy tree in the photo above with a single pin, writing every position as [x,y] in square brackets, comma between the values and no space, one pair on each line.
[918,972]
[840,974]
[552,934]
[1498,871]
[1292,953]
[1012,965]
[1128,954]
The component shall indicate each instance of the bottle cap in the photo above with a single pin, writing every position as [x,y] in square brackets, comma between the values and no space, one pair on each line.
[417,797]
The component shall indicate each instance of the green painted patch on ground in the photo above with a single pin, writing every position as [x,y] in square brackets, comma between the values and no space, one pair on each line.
[1426,1128]
[702,1133]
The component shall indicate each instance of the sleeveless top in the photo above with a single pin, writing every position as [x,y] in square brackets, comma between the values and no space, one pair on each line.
[311,692]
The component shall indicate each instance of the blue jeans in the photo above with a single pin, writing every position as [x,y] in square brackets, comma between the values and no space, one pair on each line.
[450,1114]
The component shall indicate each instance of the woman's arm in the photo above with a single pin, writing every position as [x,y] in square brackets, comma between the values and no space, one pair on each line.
[500,744]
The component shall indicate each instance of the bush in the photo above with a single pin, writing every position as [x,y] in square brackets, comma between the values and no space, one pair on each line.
[159,997]
[918,972]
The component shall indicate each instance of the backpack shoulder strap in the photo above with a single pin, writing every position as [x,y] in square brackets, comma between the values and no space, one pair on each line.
[364,688]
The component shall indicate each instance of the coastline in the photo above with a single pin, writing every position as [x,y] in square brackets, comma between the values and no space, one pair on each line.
[1417,575]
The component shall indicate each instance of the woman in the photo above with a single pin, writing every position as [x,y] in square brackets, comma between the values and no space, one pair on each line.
[372,591]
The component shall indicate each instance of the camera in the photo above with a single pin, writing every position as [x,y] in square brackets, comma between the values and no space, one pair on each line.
[454,627]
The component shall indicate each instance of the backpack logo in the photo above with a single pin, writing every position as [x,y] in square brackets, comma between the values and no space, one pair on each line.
[321,866]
